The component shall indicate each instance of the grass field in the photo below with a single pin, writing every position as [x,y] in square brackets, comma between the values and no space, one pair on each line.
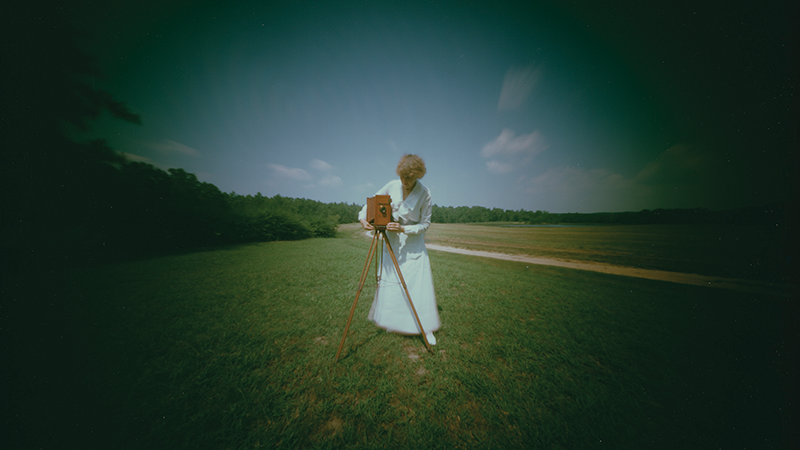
[734,251]
[233,348]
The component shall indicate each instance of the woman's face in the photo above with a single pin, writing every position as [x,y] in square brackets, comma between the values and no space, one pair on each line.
[408,182]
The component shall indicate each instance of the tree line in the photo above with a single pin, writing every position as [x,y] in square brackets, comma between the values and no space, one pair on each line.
[476,214]
[133,207]
[760,215]
[175,209]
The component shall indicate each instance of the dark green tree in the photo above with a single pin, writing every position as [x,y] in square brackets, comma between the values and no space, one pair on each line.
[52,185]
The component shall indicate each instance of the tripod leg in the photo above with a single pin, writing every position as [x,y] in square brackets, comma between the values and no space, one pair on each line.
[403,282]
[370,254]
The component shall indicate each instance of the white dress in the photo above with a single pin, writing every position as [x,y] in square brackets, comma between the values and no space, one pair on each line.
[390,309]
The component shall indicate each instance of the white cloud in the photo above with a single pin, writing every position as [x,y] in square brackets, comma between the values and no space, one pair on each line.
[330,181]
[509,144]
[688,176]
[518,84]
[367,187]
[567,189]
[679,164]
[168,146]
[137,158]
[508,151]
[327,180]
[499,168]
[683,176]
[143,159]
[571,180]
[320,165]
[287,172]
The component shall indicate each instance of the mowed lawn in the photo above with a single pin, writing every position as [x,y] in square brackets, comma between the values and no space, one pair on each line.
[234,348]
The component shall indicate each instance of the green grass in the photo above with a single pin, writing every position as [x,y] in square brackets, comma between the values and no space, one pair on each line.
[234,347]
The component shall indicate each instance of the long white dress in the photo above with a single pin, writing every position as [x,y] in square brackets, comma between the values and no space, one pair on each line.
[390,309]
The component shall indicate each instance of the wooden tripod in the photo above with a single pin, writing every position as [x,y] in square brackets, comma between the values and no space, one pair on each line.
[373,249]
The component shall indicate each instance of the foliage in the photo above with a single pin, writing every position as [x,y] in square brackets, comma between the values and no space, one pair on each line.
[761,215]
[475,214]
[259,218]
[162,210]
[43,171]
[135,208]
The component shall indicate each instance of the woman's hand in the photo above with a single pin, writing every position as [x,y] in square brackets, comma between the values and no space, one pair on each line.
[366,225]
[394,226]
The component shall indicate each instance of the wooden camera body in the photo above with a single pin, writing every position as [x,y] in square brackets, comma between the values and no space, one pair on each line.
[379,211]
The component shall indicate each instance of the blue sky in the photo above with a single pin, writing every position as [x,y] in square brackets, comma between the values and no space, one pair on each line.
[563,106]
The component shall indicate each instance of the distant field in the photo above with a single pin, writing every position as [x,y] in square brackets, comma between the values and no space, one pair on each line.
[750,252]
[233,348]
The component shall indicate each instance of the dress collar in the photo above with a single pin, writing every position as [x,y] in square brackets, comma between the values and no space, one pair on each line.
[414,195]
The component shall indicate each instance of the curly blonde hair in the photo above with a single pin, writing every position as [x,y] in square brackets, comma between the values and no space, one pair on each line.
[411,166]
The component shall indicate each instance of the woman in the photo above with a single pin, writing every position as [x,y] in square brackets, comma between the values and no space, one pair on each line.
[411,208]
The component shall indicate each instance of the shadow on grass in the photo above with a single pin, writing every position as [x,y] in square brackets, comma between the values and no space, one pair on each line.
[350,348]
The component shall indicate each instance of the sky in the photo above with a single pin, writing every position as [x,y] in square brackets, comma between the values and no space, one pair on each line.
[578,106]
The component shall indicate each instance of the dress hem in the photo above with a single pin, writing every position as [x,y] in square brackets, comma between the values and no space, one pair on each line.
[404,333]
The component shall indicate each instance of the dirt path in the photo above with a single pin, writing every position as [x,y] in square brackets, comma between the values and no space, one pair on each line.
[674,277]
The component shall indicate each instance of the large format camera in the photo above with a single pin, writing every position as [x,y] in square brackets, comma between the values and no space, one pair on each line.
[379,211]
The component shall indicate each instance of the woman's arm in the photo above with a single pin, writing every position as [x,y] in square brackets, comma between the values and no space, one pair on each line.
[424,217]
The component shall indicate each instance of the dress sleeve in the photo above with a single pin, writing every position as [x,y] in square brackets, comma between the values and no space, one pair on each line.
[424,216]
